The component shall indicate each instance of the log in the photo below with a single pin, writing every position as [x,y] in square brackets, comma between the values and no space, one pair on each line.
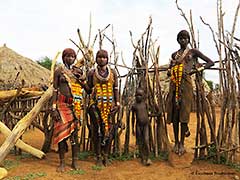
[21,126]
[20,144]
[7,95]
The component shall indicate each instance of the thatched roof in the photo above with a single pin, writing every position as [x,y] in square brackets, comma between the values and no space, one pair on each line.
[14,68]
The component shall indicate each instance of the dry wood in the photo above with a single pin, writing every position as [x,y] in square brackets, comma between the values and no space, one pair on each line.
[23,124]
[20,144]
[53,66]
[7,95]
[3,173]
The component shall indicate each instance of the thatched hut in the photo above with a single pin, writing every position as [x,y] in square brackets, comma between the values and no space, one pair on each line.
[14,68]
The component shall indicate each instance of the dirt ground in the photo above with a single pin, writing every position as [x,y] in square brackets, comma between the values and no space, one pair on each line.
[177,168]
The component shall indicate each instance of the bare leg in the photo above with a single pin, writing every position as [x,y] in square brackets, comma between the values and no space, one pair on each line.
[74,156]
[61,150]
[146,145]
[107,149]
[75,149]
[176,132]
[140,139]
[96,134]
[181,144]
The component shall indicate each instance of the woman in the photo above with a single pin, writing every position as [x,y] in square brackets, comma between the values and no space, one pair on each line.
[102,84]
[180,96]
[66,108]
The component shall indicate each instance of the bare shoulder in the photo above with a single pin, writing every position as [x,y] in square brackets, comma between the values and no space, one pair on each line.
[59,69]
[174,54]
[194,51]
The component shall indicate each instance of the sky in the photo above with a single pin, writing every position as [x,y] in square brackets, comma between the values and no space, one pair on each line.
[36,29]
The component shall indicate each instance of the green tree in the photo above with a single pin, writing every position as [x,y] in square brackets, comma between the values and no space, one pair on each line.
[210,84]
[45,62]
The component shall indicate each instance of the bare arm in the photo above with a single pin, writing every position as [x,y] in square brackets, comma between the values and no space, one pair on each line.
[133,119]
[200,55]
[57,73]
[89,84]
[115,87]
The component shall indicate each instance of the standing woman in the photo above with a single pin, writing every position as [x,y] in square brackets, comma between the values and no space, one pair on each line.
[102,84]
[180,96]
[66,108]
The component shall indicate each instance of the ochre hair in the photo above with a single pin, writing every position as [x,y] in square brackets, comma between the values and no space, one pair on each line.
[68,51]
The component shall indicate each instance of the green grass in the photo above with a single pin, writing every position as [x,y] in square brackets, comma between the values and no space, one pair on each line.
[123,157]
[77,172]
[9,164]
[84,155]
[97,168]
[24,155]
[28,176]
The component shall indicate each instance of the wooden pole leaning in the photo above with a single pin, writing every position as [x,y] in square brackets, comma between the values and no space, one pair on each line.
[21,126]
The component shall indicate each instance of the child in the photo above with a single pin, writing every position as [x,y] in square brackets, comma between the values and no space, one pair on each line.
[139,110]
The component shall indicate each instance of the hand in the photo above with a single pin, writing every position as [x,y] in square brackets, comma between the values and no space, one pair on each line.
[55,115]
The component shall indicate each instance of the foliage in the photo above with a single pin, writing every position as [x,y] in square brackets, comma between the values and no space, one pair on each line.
[223,160]
[24,155]
[77,172]
[45,62]
[9,164]
[84,155]
[97,168]
[210,84]
[28,176]
[123,157]
[217,87]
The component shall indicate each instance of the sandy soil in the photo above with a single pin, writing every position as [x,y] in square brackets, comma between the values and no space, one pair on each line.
[179,168]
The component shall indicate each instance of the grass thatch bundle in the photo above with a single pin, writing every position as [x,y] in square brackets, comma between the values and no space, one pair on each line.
[14,68]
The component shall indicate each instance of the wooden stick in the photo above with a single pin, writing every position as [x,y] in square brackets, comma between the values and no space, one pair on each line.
[20,144]
[21,126]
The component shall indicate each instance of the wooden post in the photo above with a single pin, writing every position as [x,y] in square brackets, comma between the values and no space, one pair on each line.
[20,144]
[21,126]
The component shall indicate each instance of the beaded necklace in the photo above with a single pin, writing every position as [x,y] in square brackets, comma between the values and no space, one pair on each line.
[104,95]
[101,78]
[76,90]
[177,73]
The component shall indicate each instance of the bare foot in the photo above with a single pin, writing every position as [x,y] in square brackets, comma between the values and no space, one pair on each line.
[99,162]
[149,162]
[143,161]
[176,148]
[60,168]
[106,162]
[181,149]
[74,165]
